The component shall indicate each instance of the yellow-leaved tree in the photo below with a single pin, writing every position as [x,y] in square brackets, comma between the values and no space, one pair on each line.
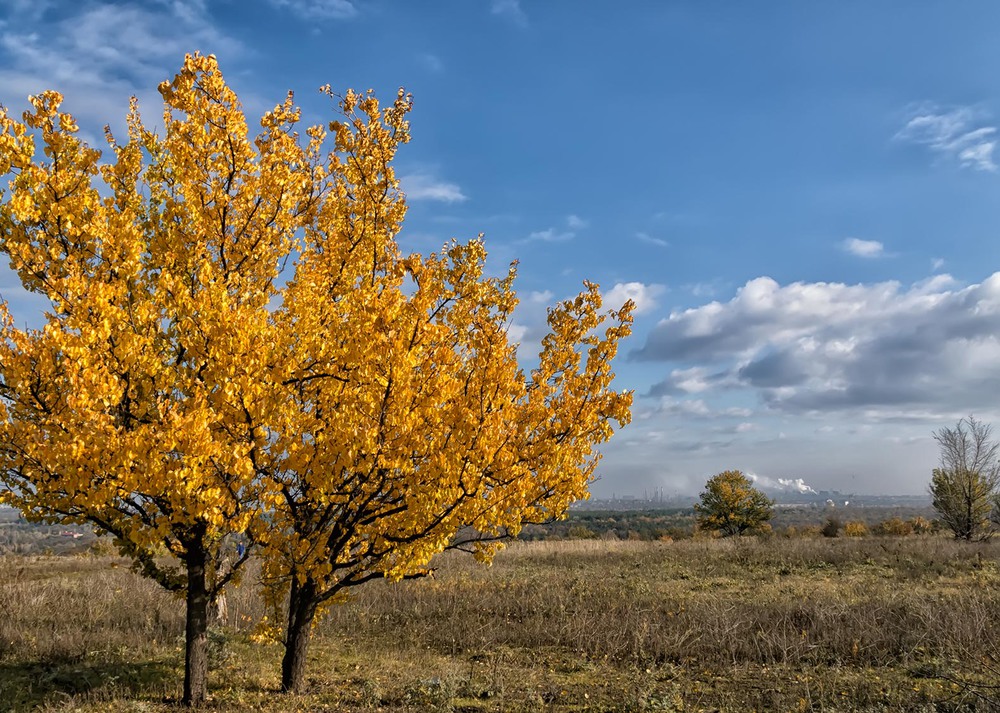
[142,405]
[409,426]
[351,423]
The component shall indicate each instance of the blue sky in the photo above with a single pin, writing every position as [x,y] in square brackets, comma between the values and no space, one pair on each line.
[801,197]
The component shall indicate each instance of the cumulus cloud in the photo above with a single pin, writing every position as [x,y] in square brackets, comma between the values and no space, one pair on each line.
[960,133]
[425,187]
[882,349]
[863,248]
[643,295]
[516,332]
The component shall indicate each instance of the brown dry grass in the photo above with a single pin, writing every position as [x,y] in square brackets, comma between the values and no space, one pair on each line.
[802,624]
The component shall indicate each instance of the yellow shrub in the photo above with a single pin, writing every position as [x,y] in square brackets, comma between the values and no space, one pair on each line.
[894,526]
[855,529]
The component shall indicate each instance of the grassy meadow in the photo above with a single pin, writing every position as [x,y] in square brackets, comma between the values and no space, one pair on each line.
[825,624]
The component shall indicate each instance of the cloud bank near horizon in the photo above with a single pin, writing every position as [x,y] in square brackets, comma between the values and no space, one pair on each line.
[929,350]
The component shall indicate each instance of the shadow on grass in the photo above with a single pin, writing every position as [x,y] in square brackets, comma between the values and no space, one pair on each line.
[29,685]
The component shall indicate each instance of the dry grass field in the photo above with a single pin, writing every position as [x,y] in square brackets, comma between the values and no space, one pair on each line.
[860,624]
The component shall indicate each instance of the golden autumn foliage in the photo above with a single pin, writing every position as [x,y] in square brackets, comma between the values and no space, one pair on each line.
[349,423]
[855,528]
[143,404]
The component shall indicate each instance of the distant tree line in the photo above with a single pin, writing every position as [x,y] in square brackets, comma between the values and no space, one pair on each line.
[681,523]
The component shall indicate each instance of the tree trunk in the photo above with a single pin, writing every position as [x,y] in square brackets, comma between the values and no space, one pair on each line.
[301,611]
[196,631]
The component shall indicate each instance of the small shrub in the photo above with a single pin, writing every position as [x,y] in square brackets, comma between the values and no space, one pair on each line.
[581,532]
[831,528]
[896,527]
[855,529]
[103,547]
[811,531]
[921,526]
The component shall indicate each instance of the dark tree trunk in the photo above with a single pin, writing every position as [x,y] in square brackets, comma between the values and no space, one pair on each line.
[301,611]
[196,631]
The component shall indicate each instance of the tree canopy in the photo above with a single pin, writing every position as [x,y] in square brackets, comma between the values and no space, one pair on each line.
[731,505]
[236,346]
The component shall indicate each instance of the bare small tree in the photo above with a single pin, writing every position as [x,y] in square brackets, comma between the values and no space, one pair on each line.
[964,487]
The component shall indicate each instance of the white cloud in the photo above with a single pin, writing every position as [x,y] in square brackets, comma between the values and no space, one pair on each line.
[425,187]
[552,235]
[509,9]
[691,381]
[937,263]
[644,296]
[881,350]
[863,248]
[934,283]
[647,238]
[529,324]
[685,407]
[319,9]
[959,133]
[102,53]
[516,332]
[699,408]
[543,297]
[558,235]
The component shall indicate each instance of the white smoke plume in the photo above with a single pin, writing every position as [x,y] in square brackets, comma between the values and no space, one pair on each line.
[785,485]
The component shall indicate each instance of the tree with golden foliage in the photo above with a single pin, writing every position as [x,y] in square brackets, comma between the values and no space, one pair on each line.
[350,423]
[408,425]
[731,505]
